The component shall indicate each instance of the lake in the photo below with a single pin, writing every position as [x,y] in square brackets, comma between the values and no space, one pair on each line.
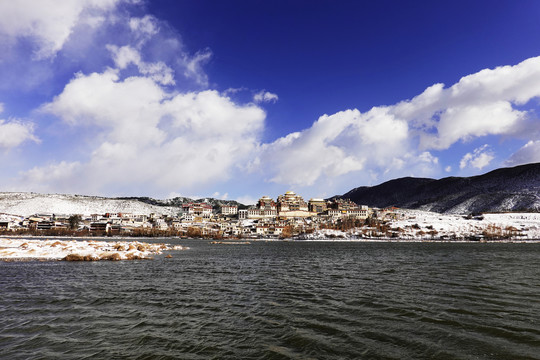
[279,300]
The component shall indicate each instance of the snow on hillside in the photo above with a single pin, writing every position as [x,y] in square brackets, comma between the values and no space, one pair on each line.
[425,225]
[523,225]
[26,204]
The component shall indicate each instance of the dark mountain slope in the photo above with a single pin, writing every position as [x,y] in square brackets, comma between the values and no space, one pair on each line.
[506,189]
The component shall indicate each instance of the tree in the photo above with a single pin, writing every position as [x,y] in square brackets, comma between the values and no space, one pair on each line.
[74,221]
[287,232]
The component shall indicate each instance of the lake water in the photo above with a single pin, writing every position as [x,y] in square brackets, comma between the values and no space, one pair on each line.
[279,300]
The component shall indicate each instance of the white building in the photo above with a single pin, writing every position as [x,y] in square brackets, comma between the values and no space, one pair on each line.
[229,209]
[198,209]
[242,214]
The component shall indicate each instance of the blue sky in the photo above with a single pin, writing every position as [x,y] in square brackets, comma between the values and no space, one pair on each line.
[240,99]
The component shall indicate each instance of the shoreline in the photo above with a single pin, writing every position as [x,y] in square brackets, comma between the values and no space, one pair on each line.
[370,240]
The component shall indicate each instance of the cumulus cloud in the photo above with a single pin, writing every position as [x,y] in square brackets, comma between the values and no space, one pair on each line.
[480,104]
[149,130]
[335,145]
[265,96]
[14,132]
[152,138]
[397,139]
[529,153]
[49,23]
[338,144]
[468,122]
[479,158]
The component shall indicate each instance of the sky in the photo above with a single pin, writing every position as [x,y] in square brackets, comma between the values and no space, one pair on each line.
[239,99]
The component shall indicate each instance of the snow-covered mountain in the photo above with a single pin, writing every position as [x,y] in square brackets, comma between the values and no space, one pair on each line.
[506,189]
[26,204]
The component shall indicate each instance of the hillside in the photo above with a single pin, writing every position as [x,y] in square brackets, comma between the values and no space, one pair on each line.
[19,203]
[506,189]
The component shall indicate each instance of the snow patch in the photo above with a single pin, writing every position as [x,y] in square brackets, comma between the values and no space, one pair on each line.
[79,250]
[27,204]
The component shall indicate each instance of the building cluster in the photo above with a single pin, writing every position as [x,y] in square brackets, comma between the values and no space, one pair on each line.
[288,215]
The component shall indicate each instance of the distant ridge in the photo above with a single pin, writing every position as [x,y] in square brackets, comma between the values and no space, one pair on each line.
[25,204]
[506,189]
[178,201]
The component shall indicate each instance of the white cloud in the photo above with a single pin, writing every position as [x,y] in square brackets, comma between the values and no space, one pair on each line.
[467,122]
[427,157]
[218,195]
[479,158]
[157,71]
[58,173]
[516,84]
[15,132]
[230,91]
[478,105]
[139,125]
[33,33]
[529,153]
[265,96]
[336,145]
[247,200]
[124,56]
[145,27]
[149,139]
[395,140]
[193,66]
[48,22]
[448,169]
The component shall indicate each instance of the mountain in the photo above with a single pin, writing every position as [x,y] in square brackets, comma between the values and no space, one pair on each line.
[505,189]
[25,204]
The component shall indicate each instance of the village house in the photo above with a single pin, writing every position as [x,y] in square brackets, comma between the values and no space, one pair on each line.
[100,227]
[242,214]
[176,224]
[229,210]
[269,230]
[10,222]
[265,208]
[203,210]
[6,224]
[317,206]
[160,224]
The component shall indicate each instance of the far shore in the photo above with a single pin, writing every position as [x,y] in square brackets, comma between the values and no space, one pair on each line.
[388,240]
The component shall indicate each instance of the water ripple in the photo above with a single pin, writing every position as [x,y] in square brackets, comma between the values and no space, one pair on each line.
[280,301]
